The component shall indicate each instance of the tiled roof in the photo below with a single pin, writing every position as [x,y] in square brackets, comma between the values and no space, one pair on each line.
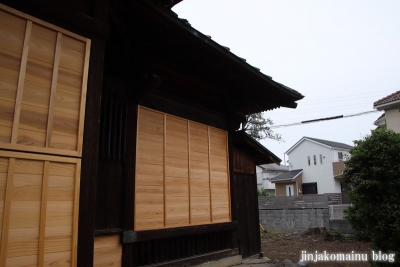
[390,98]
[330,143]
[287,175]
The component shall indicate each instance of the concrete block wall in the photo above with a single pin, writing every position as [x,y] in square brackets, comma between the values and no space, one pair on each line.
[289,221]
[342,226]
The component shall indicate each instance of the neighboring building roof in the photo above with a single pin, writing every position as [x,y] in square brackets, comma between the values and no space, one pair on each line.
[395,97]
[274,167]
[328,143]
[290,175]
[381,120]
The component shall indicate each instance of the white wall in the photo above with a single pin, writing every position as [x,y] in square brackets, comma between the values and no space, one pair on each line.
[322,174]
[393,119]
[266,183]
[259,177]
[258,172]
[262,178]
[335,155]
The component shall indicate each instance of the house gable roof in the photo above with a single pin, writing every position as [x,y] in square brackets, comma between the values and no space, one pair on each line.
[290,175]
[326,143]
[388,100]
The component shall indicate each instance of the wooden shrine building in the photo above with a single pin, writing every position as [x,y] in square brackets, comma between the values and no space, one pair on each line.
[118,141]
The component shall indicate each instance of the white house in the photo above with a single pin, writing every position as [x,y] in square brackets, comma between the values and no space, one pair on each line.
[318,165]
[267,171]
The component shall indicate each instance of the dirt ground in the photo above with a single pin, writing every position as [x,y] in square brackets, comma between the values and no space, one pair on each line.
[287,246]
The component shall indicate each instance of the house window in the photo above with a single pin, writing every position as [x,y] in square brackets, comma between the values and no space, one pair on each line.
[315,160]
[340,155]
[320,158]
[309,162]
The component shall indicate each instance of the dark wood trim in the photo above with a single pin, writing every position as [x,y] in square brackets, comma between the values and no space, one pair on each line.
[139,236]
[66,14]
[108,232]
[232,184]
[129,259]
[245,173]
[182,110]
[87,200]
[261,154]
[196,260]
[129,182]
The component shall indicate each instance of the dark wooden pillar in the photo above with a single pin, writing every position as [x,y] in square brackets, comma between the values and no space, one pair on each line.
[87,201]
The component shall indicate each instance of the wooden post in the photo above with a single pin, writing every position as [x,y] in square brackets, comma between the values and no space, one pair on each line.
[89,155]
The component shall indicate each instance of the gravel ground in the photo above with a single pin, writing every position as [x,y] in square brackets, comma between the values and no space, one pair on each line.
[282,246]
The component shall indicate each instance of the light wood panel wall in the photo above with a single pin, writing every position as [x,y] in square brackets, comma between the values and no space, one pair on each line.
[107,251]
[43,76]
[182,174]
[39,197]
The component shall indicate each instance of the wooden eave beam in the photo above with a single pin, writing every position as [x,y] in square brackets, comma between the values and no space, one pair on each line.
[232,60]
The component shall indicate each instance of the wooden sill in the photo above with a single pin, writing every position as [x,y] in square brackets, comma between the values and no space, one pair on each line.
[138,236]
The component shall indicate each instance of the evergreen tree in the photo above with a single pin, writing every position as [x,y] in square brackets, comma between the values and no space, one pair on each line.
[372,175]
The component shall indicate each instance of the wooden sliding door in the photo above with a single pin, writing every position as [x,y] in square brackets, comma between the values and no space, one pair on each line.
[181,173]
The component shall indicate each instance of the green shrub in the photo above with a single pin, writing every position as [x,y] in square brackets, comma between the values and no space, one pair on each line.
[262,192]
[373,176]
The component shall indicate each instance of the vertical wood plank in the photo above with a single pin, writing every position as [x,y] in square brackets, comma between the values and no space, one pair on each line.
[209,172]
[6,213]
[164,163]
[188,142]
[74,252]
[83,97]
[53,89]
[43,210]
[21,80]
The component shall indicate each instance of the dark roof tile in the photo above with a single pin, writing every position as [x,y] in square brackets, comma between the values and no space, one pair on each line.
[330,143]
[287,175]
[390,98]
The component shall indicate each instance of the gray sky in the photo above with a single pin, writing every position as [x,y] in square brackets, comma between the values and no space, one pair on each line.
[342,55]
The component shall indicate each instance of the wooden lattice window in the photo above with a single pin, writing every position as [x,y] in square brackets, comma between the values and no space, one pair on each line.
[182,175]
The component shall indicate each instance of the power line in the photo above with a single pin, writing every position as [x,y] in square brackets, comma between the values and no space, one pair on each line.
[325,119]
[354,96]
